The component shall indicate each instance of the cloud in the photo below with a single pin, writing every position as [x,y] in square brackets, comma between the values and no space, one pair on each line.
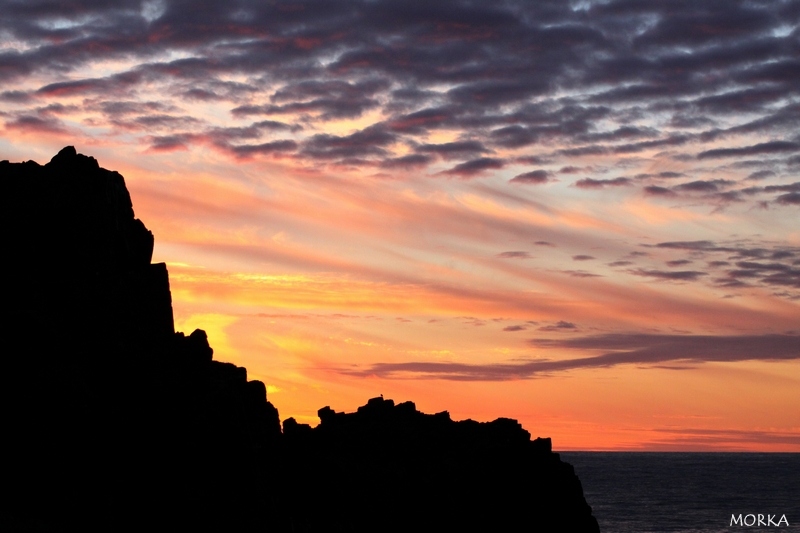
[743,100]
[533,177]
[16,96]
[589,183]
[669,174]
[36,124]
[792,198]
[570,170]
[669,275]
[423,120]
[672,140]
[512,82]
[581,274]
[514,255]
[714,440]
[158,122]
[738,249]
[474,167]
[407,161]
[694,245]
[760,175]
[364,143]
[744,264]
[701,186]
[769,273]
[655,190]
[772,147]
[286,145]
[170,143]
[616,349]
[330,99]
[79,87]
[454,150]
[120,108]
[561,325]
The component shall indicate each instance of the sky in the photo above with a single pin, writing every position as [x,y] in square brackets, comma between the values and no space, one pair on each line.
[582,215]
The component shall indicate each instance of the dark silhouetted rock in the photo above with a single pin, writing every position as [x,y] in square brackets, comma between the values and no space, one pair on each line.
[390,467]
[110,419]
[113,421]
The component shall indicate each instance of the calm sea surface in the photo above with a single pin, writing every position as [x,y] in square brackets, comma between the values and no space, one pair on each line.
[690,492]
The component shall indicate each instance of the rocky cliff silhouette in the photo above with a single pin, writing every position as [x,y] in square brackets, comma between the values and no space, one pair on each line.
[113,421]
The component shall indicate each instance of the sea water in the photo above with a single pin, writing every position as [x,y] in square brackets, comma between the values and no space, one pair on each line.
[690,492]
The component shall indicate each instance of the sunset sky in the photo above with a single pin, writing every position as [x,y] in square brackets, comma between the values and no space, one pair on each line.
[583,215]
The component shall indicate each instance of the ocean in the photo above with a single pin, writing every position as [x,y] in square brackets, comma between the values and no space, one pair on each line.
[638,492]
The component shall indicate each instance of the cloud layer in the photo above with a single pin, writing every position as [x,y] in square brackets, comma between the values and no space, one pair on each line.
[705,85]
[618,349]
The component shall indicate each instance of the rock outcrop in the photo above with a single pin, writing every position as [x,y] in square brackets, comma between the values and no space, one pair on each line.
[113,421]
[390,467]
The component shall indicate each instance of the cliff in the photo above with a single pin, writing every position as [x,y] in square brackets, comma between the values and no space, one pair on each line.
[112,420]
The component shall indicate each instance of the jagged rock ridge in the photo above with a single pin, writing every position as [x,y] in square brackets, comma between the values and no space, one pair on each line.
[112,420]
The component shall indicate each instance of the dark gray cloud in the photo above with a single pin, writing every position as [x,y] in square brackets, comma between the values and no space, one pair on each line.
[678,262]
[771,147]
[660,175]
[761,174]
[169,143]
[475,167]
[422,121]
[570,169]
[454,150]
[581,274]
[702,186]
[742,100]
[534,177]
[367,142]
[769,273]
[693,245]
[590,183]
[615,349]
[514,255]
[80,87]
[34,124]
[669,175]
[285,145]
[792,198]
[561,325]
[158,122]
[669,275]
[16,96]
[407,161]
[122,108]
[655,190]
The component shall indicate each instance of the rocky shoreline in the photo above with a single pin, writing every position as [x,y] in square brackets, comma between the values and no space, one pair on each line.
[114,421]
